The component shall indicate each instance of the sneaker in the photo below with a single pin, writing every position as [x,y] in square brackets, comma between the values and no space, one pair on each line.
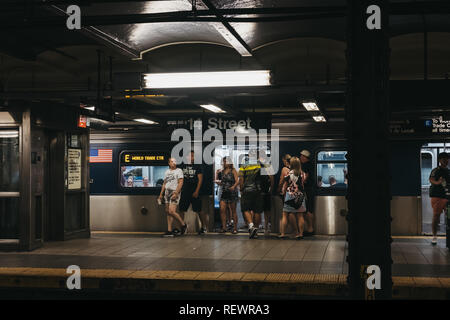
[202,231]
[434,241]
[183,229]
[252,232]
[168,234]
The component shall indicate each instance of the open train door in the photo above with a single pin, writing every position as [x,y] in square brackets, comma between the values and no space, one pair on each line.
[428,161]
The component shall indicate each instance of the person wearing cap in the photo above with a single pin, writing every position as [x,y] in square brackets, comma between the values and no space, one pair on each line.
[440,181]
[307,169]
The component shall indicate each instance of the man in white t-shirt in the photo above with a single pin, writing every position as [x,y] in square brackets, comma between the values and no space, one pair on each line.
[173,181]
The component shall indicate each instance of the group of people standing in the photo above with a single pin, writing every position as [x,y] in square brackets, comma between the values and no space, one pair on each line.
[255,181]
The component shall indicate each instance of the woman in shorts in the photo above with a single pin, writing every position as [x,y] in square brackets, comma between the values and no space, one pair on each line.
[293,200]
[171,190]
[228,194]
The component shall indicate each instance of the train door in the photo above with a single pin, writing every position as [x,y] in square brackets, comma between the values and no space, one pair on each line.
[428,161]
[237,155]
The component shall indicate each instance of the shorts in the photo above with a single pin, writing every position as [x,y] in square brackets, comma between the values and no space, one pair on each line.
[267,199]
[168,197]
[187,199]
[438,205]
[252,201]
[310,200]
[229,196]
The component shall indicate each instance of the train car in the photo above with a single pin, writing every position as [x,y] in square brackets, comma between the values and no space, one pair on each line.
[124,194]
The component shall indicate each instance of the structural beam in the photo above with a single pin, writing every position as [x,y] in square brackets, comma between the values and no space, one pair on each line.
[367,118]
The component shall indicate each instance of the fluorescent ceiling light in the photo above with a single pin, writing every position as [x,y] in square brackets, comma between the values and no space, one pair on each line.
[311,106]
[207,79]
[87,107]
[212,108]
[146,121]
[319,119]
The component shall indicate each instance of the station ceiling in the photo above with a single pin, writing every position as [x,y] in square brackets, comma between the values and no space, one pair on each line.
[301,41]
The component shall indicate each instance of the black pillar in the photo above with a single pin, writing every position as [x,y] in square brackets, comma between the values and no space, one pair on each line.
[367,116]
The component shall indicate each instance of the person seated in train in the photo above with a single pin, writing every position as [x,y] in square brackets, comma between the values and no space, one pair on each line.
[193,179]
[228,184]
[293,188]
[130,182]
[123,181]
[145,182]
[319,181]
[332,180]
[171,189]
[251,198]
[267,182]
[440,183]
[335,185]
[309,185]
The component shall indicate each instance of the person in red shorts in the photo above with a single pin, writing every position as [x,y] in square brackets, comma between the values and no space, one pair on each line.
[440,181]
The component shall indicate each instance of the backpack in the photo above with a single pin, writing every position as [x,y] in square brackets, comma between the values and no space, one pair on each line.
[294,194]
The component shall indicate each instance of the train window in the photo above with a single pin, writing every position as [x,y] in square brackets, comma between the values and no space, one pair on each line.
[142,169]
[332,169]
[426,159]
[142,176]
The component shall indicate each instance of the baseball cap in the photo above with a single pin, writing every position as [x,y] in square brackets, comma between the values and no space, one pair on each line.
[305,153]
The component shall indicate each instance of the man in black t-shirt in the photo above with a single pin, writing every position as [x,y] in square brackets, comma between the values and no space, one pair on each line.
[193,179]
[440,182]
[307,168]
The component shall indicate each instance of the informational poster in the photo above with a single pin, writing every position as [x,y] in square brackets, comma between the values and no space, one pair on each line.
[74,169]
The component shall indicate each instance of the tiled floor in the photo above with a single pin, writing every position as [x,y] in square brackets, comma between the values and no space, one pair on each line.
[226,253]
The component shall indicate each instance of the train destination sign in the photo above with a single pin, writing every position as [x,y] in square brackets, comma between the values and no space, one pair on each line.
[438,125]
[434,126]
[130,158]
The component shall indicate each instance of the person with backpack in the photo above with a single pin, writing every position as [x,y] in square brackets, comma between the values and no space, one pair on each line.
[293,190]
[251,198]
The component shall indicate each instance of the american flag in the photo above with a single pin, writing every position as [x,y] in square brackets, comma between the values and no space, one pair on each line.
[100,156]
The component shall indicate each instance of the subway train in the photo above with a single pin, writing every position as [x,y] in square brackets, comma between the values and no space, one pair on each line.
[127,167]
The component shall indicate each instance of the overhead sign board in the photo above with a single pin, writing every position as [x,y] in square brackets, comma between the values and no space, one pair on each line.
[147,158]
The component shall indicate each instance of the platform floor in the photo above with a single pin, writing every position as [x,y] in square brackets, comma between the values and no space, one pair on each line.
[413,257]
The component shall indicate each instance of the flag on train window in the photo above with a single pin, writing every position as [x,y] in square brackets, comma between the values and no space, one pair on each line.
[100,156]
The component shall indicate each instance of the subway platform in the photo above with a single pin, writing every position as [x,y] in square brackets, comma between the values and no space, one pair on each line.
[218,266]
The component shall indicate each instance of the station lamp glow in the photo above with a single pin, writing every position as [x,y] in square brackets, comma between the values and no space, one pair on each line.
[146,121]
[252,78]
[310,106]
[320,119]
[212,108]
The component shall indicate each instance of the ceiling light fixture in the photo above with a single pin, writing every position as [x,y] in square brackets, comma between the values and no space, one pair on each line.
[146,121]
[310,106]
[253,78]
[212,108]
[320,119]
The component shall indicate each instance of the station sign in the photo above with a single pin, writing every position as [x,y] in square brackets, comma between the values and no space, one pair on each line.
[223,123]
[433,126]
[144,158]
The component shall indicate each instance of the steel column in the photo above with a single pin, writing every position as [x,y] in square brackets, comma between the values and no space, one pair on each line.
[367,116]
